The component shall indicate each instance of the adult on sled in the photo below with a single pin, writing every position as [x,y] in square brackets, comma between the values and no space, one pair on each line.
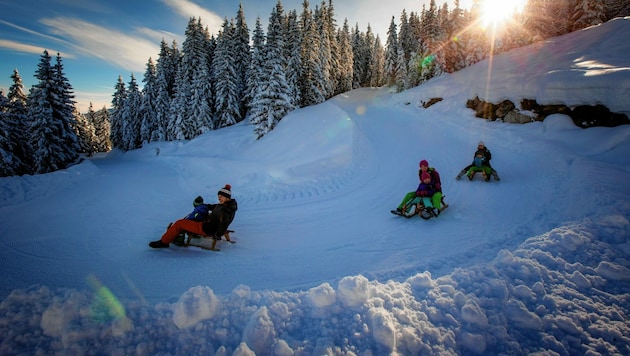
[436,199]
[215,225]
[480,163]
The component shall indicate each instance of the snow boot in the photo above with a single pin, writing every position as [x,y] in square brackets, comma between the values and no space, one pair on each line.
[158,244]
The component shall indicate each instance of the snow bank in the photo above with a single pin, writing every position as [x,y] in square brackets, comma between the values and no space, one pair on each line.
[565,291]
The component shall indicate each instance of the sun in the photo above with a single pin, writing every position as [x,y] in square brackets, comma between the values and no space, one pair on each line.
[494,12]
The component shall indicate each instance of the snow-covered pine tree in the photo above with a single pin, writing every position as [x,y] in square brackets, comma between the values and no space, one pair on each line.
[292,52]
[345,65]
[227,102]
[334,63]
[178,108]
[432,52]
[102,129]
[377,78]
[50,106]
[272,100]
[391,54]
[189,114]
[311,80]
[19,126]
[7,158]
[118,105]
[64,108]
[454,26]
[587,13]
[406,39]
[131,116]
[200,113]
[150,92]
[166,69]
[325,51]
[357,64]
[242,57]
[617,8]
[85,132]
[256,68]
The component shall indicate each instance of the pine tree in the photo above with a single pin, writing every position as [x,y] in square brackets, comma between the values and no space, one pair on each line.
[19,126]
[256,68]
[118,106]
[177,110]
[345,66]
[242,57]
[166,69]
[150,93]
[189,115]
[131,116]
[311,86]
[227,104]
[85,132]
[7,158]
[272,100]
[51,108]
[325,62]
[64,108]
[432,51]
[200,117]
[294,55]
[391,54]
[408,43]
[102,130]
[358,53]
[334,62]
[588,13]
[377,78]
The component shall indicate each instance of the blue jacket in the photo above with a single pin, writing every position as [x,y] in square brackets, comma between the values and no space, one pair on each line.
[199,214]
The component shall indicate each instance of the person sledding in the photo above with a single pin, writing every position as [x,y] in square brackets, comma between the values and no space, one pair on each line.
[214,226]
[426,198]
[480,163]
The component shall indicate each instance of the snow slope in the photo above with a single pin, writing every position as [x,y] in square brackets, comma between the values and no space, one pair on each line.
[536,263]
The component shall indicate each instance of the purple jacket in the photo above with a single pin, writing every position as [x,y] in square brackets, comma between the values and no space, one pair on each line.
[426,190]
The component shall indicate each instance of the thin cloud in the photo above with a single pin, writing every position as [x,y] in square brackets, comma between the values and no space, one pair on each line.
[189,9]
[128,52]
[27,48]
[34,33]
[158,35]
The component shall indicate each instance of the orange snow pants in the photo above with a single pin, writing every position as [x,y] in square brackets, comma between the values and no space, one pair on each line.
[183,225]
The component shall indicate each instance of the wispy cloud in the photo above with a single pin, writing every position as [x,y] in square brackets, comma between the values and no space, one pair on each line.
[27,48]
[128,52]
[31,48]
[158,35]
[189,9]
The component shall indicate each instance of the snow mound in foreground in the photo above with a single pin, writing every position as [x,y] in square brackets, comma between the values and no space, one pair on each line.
[564,291]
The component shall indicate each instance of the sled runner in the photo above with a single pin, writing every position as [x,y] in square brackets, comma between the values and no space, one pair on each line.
[422,207]
[204,242]
[494,175]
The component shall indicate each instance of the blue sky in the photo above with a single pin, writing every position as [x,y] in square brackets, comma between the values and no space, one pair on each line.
[100,40]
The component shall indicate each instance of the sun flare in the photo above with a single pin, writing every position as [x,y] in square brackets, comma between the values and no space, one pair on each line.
[494,12]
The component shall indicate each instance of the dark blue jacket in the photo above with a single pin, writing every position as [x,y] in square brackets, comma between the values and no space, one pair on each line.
[200,213]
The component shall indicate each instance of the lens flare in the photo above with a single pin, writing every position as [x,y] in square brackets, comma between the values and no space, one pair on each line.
[105,306]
